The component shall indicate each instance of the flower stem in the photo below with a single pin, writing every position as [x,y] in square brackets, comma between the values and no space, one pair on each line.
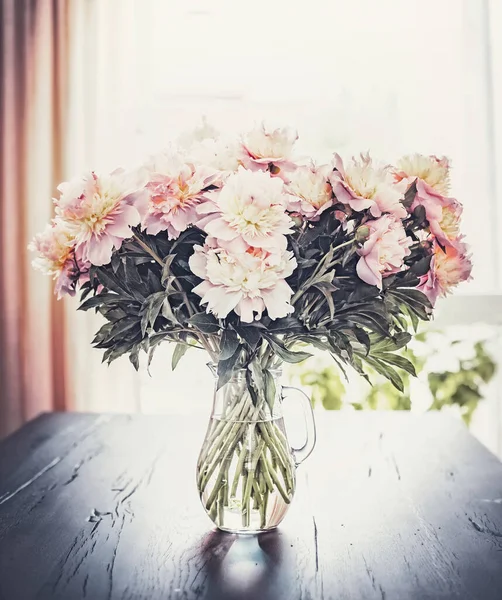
[245,456]
[347,243]
[238,471]
[147,249]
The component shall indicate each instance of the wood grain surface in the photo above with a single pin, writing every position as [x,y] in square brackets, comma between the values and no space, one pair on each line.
[389,506]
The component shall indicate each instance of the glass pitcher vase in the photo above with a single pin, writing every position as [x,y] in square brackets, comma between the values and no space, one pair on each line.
[246,472]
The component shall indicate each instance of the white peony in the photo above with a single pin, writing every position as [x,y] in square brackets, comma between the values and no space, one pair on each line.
[249,210]
[247,282]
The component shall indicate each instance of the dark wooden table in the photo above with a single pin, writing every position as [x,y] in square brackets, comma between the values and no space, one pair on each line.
[390,506]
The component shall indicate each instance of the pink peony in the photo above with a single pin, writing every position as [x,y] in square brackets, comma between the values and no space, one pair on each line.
[247,282]
[99,212]
[249,210]
[55,247]
[261,148]
[384,251]
[434,171]
[309,191]
[448,268]
[175,188]
[442,213]
[363,185]
[432,177]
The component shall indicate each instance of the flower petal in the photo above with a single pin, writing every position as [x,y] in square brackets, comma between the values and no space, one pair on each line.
[368,275]
[219,228]
[99,250]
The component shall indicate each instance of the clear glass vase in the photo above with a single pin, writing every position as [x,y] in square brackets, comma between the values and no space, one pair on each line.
[246,472]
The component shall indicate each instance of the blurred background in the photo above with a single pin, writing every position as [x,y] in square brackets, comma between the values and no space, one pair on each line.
[103,83]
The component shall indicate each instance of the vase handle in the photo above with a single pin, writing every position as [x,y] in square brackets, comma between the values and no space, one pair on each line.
[300,454]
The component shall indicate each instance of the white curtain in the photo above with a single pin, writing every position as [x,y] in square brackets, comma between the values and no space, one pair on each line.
[102,135]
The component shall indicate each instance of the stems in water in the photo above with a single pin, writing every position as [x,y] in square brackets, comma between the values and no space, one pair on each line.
[245,462]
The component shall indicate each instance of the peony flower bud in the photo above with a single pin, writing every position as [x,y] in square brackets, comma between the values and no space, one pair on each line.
[362,234]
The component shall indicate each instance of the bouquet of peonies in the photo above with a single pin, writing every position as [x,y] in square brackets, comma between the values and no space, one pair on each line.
[238,248]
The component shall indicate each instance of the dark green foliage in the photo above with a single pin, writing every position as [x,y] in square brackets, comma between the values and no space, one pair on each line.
[346,316]
[146,296]
[140,310]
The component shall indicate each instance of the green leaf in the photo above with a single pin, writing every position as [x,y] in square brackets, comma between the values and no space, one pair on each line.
[415,301]
[325,278]
[102,333]
[204,322]
[151,352]
[286,325]
[85,290]
[168,313]
[387,344]
[229,344]
[151,309]
[98,300]
[251,387]
[372,305]
[132,277]
[144,323]
[363,291]
[106,355]
[341,345]
[179,352]
[400,321]
[123,325]
[153,282]
[412,297]
[255,382]
[115,352]
[415,321]
[117,330]
[134,357]
[388,372]
[251,335]
[363,338]
[156,338]
[226,367]
[398,361]
[419,214]
[284,353]
[422,266]
[349,254]
[112,282]
[115,262]
[372,321]
[166,269]
[326,290]
[410,194]
[313,341]
[341,366]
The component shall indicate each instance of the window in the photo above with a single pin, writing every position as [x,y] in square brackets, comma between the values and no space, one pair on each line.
[388,76]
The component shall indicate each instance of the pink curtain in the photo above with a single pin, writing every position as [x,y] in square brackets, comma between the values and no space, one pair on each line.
[33,99]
